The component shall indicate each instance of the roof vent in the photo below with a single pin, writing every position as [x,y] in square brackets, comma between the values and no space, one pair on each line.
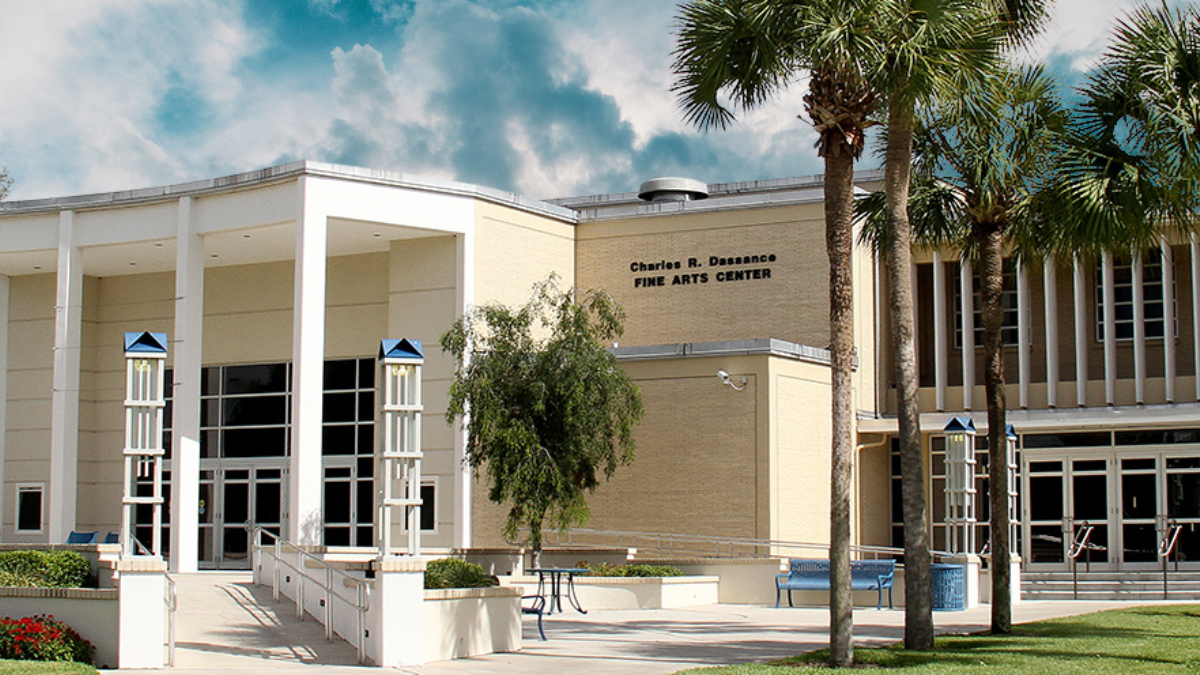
[673,190]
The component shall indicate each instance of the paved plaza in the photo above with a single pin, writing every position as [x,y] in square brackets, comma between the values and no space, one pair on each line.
[227,625]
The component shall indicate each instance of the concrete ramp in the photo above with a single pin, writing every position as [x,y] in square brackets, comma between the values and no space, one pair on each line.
[227,624]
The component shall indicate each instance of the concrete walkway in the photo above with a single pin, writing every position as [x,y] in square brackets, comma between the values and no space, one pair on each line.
[227,625]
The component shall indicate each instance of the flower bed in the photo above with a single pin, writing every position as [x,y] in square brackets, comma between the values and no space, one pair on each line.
[42,638]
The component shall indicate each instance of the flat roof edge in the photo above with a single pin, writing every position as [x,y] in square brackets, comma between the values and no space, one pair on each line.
[274,174]
[756,347]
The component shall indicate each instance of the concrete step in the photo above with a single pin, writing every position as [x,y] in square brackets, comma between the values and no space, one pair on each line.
[1109,586]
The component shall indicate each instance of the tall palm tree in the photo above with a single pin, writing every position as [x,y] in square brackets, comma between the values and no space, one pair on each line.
[1133,162]
[751,49]
[984,166]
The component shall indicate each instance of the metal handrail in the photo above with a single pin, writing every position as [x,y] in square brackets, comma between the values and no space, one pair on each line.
[1081,542]
[361,603]
[1166,547]
[709,545]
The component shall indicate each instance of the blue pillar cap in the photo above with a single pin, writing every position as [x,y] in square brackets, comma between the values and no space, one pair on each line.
[146,343]
[960,425]
[401,349]
[1010,432]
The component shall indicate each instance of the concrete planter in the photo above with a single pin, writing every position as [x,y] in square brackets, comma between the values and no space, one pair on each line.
[464,622]
[636,592]
[92,612]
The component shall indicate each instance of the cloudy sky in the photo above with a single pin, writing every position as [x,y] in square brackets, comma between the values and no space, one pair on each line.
[547,98]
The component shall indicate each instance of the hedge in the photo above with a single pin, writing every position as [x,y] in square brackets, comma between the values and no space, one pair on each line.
[453,573]
[45,569]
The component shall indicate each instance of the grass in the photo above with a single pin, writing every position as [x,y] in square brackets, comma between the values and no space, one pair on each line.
[1158,640]
[44,668]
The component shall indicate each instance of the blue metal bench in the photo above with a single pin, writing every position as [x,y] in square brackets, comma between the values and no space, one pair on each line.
[813,575]
[82,537]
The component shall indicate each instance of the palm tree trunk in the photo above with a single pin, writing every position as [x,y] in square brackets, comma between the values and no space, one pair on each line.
[918,613]
[839,240]
[992,281]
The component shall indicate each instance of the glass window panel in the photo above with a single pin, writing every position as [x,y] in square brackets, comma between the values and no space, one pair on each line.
[938,494]
[1097,548]
[428,507]
[337,501]
[365,501]
[29,509]
[1139,464]
[255,411]
[1183,463]
[210,381]
[268,474]
[938,464]
[236,545]
[206,502]
[1045,467]
[1140,542]
[366,467]
[1183,495]
[340,374]
[1090,497]
[366,406]
[255,442]
[1188,546]
[337,440]
[1082,439]
[1139,495]
[337,472]
[210,412]
[897,502]
[266,502]
[337,536]
[340,407]
[169,383]
[364,536]
[1089,465]
[256,379]
[366,439]
[366,373]
[237,474]
[1045,498]
[237,503]
[1046,544]
[209,444]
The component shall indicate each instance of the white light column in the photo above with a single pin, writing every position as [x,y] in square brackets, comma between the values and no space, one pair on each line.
[185,415]
[463,477]
[1079,282]
[940,357]
[1168,285]
[1110,329]
[960,485]
[1023,334]
[398,442]
[305,480]
[1050,291]
[64,424]
[145,363]
[966,288]
[1138,270]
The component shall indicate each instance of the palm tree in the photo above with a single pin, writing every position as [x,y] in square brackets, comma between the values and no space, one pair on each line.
[751,49]
[984,167]
[1133,162]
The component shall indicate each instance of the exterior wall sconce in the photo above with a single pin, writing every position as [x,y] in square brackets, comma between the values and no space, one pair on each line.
[726,379]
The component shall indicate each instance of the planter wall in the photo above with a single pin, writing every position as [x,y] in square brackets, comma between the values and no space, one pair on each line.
[636,592]
[92,612]
[464,622]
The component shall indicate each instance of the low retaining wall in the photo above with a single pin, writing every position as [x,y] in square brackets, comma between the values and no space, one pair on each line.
[463,622]
[92,612]
[635,592]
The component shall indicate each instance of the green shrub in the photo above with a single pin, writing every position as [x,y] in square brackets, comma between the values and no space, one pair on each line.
[633,570]
[453,573]
[42,638]
[44,569]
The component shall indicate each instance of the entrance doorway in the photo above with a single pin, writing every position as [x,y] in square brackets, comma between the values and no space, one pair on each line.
[1128,500]
[233,501]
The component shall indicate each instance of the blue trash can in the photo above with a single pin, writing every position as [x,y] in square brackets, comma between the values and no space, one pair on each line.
[948,583]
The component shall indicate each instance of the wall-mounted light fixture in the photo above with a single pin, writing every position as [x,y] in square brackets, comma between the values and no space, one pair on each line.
[726,379]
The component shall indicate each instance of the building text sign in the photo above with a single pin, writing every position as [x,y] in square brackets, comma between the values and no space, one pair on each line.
[694,271]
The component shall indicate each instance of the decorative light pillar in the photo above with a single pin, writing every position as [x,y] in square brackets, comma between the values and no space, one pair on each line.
[960,485]
[1014,509]
[398,441]
[145,358]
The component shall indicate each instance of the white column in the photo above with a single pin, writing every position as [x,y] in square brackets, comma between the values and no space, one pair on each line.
[1079,282]
[1050,291]
[464,477]
[1110,329]
[305,479]
[64,425]
[1023,334]
[4,290]
[1196,310]
[1168,281]
[1139,327]
[916,320]
[966,288]
[939,330]
[185,417]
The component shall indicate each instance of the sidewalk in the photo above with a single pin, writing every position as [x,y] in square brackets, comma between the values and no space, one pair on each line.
[226,625]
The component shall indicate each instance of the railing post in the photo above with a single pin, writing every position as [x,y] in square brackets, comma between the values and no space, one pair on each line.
[329,603]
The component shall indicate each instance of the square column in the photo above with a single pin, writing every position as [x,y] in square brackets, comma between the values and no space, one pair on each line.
[185,423]
[464,479]
[305,517]
[966,288]
[4,286]
[64,425]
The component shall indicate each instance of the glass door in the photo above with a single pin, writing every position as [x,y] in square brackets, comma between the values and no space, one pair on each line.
[1141,510]
[1063,497]
[233,501]
[1182,488]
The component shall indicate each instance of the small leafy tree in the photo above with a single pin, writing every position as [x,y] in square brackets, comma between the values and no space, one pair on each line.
[6,182]
[549,413]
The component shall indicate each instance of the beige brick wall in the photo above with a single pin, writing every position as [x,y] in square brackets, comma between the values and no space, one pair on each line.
[800,463]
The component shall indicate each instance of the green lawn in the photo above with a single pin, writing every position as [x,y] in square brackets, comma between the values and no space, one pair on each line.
[44,668]
[1158,640]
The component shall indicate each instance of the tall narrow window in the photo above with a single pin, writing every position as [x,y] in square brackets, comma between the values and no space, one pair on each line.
[29,508]
[1009,334]
[1152,296]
